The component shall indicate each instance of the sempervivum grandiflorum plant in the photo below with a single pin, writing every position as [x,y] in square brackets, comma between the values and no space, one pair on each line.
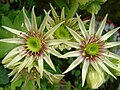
[61,33]
[92,48]
[33,47]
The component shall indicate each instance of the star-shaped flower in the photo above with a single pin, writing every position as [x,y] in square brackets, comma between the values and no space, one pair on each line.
[33,47]
[92,48]
[61,34]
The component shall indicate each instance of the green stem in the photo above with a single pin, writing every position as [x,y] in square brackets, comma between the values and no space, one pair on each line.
[73,9]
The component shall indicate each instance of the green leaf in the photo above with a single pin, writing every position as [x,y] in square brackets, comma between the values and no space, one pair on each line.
[12,14]
[28,86]
[16,84]
[5,7]
[5,48]
[68,85]
[19,22]
[38,19]
[5,21]
[3,76]
[6,34]
[11,1]
[61,4]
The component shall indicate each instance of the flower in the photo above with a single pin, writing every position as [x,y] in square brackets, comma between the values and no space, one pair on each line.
[33,47]
[92,48]
[34,76]
[61,33]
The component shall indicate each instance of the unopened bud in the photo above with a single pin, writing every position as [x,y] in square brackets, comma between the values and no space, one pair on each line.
[94,8]
[94,79]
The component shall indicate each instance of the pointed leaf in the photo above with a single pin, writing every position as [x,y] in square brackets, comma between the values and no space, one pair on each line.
[3,76]
[5,48]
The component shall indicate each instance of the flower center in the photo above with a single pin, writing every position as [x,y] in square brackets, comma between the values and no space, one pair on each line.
[34,44]
[92,49]
[62,33]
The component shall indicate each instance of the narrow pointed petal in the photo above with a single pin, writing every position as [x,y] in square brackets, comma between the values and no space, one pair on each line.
[111,44]
[54,52]
[48,76]
[112,55]
[72,44]
[92,25]
[34,23]
[23,64]
[110,33]
[109,63]
[40,64]
[26,20]
[43,24]
[15,76]
[54,13]
[55,41]
[71,22]
[12,53]
[38,83]
[17,32]
[82,27]
[96,67]
[86,21]
[102,26]
[50,20]
[105,68]
[77,37]
[50,32]
[16,59]
[84,71]
[62,14]
[30,61]
[75,63]
[13,72]
[71,54]
[12,40]
[49,61]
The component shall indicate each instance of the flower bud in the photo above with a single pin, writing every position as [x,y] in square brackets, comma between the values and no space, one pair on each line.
[94,79]
[83,2]
[94,8]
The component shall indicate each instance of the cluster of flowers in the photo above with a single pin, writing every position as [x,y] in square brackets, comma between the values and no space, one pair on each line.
[57,32]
